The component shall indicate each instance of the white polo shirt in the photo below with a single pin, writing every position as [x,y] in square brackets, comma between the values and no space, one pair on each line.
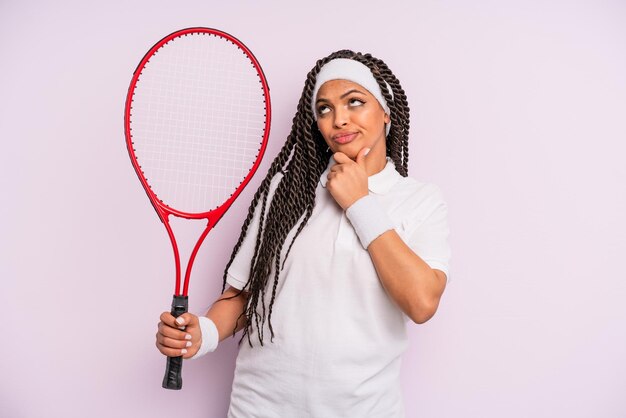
[339,337]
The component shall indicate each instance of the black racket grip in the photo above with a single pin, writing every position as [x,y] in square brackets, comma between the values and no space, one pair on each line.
[173,378]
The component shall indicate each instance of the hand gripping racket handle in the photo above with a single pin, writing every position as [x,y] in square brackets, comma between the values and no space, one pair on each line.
[173,378]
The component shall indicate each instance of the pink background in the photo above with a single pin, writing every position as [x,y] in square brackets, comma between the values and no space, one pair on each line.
[518,112]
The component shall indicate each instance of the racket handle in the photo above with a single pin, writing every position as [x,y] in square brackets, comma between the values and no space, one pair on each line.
[173,378]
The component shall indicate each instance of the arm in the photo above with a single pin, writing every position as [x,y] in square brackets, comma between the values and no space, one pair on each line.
[224,313]
[406,277]
[408,280]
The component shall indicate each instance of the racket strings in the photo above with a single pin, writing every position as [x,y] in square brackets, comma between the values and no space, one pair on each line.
[197,121]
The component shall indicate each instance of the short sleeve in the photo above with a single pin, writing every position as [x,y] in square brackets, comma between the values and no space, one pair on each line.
[428,231]
[239,270]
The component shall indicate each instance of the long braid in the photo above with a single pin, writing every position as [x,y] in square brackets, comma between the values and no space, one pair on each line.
[302,160]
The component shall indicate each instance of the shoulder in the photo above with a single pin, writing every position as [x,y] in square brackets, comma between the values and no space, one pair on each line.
[420,203]
[415,193]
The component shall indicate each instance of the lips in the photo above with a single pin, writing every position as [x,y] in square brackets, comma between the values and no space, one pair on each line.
[344,137]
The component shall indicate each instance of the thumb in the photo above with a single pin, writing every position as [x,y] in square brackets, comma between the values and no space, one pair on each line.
[360,157]
[186,319]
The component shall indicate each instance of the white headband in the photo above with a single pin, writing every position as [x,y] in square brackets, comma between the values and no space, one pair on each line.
[351,70]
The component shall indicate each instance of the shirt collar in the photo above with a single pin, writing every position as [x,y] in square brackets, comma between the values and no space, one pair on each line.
[379,183]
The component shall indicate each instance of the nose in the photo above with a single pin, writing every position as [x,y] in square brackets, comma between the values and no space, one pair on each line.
[341,117]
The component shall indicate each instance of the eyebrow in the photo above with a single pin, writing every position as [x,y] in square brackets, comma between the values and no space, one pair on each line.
[342,96]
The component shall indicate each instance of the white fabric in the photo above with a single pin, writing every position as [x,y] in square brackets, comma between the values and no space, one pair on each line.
[339,337]
[355,71]
[210,337]
[368,219]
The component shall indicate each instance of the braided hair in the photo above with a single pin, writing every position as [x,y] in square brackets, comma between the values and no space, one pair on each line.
[302,160]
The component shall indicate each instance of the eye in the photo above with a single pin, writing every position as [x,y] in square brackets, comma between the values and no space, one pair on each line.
[323,109]
[356,102]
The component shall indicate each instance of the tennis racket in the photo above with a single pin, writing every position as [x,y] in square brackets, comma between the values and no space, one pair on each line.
[197,120]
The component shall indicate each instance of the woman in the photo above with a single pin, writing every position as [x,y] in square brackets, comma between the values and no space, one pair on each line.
[372,252]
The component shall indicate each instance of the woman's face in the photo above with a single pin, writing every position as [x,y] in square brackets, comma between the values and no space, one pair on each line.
[350,118]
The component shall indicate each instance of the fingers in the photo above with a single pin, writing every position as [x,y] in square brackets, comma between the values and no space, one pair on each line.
[187,319]
[340,157]
[173,333]
[176,352]
[180,322]
[174,342]
[175,346]
[172,347]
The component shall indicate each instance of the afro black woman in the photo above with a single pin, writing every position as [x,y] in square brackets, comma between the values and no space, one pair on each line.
[339,251]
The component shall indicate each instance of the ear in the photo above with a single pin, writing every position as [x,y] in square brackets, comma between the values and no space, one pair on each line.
[387,119]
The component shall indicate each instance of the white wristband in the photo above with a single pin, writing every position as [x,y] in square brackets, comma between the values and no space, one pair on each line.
[369,219]
[210,337]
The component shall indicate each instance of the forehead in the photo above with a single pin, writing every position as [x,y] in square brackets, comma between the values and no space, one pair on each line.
[335,88]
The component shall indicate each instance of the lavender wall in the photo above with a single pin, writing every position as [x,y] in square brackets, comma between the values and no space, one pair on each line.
[517,113]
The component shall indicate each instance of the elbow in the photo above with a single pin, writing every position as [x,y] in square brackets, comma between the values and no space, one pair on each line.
[420,319]
[424,312]
[427,305]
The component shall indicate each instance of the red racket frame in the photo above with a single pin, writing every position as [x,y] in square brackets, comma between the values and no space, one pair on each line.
[163,210]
